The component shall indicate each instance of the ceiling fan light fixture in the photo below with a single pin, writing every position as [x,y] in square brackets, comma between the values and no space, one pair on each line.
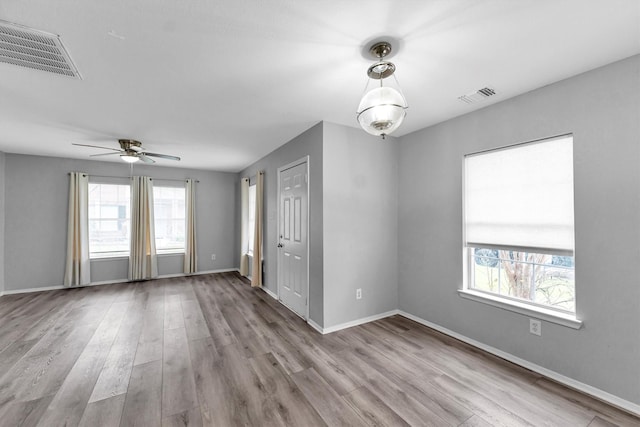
[129,158]
[383,108]
[130,151]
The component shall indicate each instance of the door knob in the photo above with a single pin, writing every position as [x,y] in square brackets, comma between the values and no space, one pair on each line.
[280,245]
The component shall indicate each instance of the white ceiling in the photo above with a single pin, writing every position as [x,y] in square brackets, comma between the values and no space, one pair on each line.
[221,83]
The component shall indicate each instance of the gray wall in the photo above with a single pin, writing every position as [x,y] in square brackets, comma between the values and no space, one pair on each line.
[2,175]
[36,201]
[360,221]
[309,143]
[602,109]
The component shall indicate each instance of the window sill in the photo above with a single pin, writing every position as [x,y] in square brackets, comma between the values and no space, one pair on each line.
[108,256]
[120,255]
[169,253]
[541,313]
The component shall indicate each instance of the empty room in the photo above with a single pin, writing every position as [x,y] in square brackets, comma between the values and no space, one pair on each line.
[303,213]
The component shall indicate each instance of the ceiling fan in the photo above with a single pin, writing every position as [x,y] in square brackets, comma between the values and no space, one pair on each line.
[130,151]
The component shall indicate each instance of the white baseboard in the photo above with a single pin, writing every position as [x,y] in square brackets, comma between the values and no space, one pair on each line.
[570,382]
[352,322]
[29,290]
[315,326]
[111,282]
[270,293]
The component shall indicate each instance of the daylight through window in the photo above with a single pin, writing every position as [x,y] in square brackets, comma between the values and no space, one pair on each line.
[109,219]
[519,232]
[252,217]
[169,218]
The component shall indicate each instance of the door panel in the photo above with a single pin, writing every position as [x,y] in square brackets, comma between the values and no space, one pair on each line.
[293,222]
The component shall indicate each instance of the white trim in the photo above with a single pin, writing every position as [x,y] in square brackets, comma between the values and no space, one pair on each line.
[108,256]
[270,293]
[570,382]
[112,256]
[525,309]
[111,282]
[29,290]
[169,253]
[315,326]
[302,160]
[352,323]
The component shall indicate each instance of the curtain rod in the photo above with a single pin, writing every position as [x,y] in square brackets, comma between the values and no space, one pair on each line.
[125,177]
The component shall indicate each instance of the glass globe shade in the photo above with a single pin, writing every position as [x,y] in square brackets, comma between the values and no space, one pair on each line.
[381,111]
[129,158]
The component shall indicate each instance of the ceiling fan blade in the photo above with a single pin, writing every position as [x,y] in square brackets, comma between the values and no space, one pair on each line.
[162,156]
[103,154]
[95,146]
[145,158]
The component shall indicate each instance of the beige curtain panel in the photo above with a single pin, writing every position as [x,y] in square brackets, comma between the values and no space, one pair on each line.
[190,254]
[256,270]
[143,263]
[244,226]
[78,266]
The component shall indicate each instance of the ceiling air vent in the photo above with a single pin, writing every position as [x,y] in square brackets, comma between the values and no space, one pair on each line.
[479,95]
[35,49]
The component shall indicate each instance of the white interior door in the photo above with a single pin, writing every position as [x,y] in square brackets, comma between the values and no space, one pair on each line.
[293,229]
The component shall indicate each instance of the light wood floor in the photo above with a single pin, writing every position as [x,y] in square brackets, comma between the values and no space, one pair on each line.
[209,350]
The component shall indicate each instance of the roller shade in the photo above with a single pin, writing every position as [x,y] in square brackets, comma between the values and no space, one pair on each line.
[521,197]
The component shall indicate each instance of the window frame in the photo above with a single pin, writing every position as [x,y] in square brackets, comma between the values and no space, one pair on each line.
[507,302]
[251,219]
[109,254]
[168,251]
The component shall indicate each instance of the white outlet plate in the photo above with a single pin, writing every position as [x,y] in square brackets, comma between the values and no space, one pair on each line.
[535,327]
[359,293]
[213,257]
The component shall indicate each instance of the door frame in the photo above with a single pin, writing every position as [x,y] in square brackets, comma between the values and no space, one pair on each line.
[300,161]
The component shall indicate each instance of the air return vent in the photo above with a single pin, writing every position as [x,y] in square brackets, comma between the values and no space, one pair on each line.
[35,49]
[479,95]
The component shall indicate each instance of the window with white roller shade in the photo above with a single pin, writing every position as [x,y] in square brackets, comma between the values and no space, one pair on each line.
[521,197]
[518,225]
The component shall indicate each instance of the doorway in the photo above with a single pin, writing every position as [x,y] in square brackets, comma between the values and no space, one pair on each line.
[293,230]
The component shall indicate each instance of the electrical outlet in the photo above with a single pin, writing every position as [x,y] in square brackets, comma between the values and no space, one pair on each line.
[213,257]
[535,327]
[359,293]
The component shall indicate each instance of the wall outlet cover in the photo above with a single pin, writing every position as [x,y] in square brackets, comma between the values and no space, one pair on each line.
[535,327]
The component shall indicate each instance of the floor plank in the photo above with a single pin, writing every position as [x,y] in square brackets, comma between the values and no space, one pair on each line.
[372,409]
[189,418]
[70,401]
[393,395]
[333,409]
[209,350]
[283,397]
[143,403]
[103,413]
[178,385]
[150,344]
[114,377]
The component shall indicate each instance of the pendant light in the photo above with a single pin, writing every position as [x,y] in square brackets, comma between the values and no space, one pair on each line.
[382,108]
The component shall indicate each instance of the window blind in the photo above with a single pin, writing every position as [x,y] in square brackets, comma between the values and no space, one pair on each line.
[521,197]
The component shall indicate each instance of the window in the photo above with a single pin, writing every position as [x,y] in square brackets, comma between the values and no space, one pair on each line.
[518,224]
[109,220]
[252,218]
[169,218]
[543,279]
